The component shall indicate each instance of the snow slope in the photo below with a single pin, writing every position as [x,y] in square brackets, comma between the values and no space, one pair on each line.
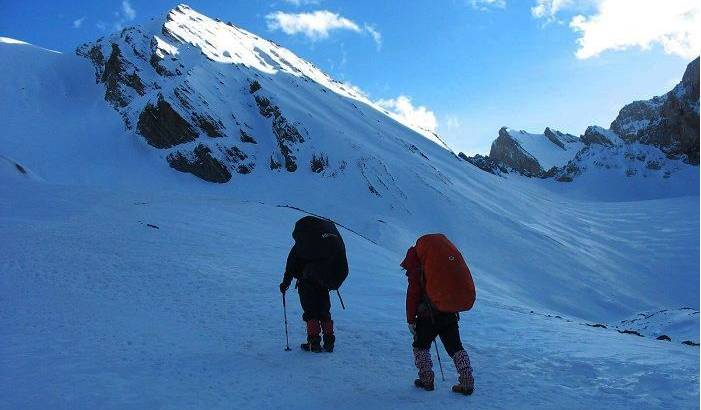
[626,172]
[678,324]
[189,316]
[115,313]
[526,244]
[548,153]
[56,123]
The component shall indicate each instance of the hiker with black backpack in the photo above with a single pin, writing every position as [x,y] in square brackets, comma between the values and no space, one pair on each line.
[440,286]
[318,262]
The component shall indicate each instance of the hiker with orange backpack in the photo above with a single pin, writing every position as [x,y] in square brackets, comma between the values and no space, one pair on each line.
[440,286]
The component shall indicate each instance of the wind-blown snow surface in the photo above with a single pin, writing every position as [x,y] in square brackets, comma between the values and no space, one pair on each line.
[544,150]
[100,310]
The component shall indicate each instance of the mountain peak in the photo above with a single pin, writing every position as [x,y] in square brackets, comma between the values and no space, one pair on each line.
[223,101]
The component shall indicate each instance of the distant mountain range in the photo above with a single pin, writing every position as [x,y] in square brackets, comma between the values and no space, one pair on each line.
[650,136]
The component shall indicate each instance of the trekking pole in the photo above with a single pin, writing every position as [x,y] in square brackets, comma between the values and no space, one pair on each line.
[341,299]
[439,360]
[433,321]
[287,337]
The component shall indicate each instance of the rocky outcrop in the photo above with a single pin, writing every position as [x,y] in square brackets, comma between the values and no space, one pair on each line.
[115,73]
[285,133]
[254,86]
[509,153]
[319,163]
[213,128]
[95,55]
[236,157]
[164,127]
[558,138]
[662,128]
[159,52]
[669,122]
[597,135]
[484,163]
[245,137]
[200,163]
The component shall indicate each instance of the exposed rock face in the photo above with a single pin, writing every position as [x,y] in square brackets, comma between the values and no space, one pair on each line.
[659,129]
[484,163]
[670,122]
[209,125]
[200,163]
[597,135]
[285,133]
[508,152]
[189,99]
[319,163]
[115,73]
[247,138]
[163,127]
[556,137]
[255,86]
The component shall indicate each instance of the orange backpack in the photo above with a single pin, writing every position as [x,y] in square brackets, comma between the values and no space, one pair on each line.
[446,278]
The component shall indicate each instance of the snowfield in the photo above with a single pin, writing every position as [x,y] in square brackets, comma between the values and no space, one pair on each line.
[127,284]
[545,151]
[102,311]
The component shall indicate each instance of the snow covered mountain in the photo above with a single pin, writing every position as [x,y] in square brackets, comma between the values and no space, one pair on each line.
[662,133]
[149,184]
[528,154]
[221,101]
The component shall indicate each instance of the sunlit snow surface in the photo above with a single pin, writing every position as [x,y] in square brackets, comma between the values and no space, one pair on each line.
[225,43]
[99,310]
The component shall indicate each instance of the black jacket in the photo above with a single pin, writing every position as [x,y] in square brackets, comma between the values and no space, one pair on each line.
[318,254]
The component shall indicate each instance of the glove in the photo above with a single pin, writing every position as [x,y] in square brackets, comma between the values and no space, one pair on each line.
[284,286]
[412,328]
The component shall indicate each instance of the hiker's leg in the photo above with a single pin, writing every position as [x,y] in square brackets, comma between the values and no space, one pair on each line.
[425,334]
[450,336]
[308,298]
[325,318]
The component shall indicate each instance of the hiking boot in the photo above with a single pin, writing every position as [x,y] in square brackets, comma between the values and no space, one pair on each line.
[424,384]
[313,337]
[329,338]
[466,385]
[422,359]
[329,341]
[313,345]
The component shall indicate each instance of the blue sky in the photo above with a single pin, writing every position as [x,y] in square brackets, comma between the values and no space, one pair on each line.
[473,65]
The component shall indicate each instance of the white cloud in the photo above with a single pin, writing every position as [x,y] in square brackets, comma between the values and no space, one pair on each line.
[128,11]
[407,113]
[298,3]
[315,25]
[548,9]
[622,24]
[376,36]
[487,4]
[78,22]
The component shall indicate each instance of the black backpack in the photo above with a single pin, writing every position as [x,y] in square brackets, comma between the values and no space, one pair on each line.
[320,245]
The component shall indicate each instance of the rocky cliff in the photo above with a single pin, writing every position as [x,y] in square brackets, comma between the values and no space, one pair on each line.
[652,132]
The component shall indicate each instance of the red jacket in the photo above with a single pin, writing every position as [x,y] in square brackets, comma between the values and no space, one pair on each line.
[414,292]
